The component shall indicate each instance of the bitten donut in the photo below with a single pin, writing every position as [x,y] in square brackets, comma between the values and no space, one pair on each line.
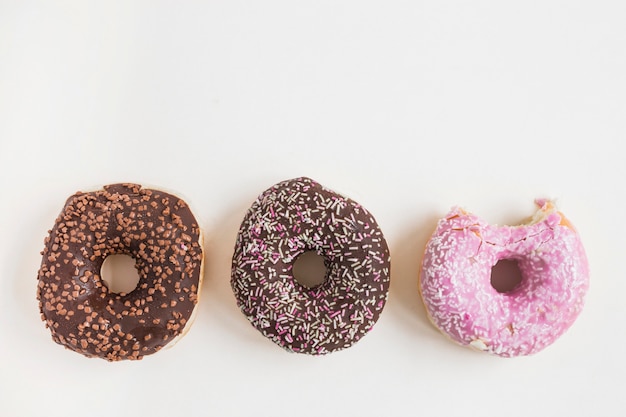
[455,281]
[287,220]
[160,233]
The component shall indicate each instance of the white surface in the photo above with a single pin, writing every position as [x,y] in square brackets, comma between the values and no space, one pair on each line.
[409,107]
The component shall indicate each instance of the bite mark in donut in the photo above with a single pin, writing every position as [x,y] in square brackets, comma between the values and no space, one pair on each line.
[287,220]
[461,302]
[160,233]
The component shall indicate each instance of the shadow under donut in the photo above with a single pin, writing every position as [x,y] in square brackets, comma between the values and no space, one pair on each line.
[24,277]
[405,302]
[218,306]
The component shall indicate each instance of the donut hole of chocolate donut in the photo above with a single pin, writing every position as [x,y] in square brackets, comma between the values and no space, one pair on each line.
[309,269]
[505,275]
[119,273]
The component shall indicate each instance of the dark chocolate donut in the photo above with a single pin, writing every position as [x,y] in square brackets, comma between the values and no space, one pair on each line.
[287,220]
[159,232]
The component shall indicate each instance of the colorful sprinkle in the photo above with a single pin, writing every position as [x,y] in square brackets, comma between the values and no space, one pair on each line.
[289,219]
[455,281]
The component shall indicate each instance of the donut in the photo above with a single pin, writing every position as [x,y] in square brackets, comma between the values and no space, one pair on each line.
[455,281]
[287,220]
[160,233]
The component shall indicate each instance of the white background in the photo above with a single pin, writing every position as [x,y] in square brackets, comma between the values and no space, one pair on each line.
[409,107]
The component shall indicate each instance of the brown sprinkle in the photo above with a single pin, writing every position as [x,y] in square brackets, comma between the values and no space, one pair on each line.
[70,288]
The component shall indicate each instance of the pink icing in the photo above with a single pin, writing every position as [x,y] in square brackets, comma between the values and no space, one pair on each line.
[455,281]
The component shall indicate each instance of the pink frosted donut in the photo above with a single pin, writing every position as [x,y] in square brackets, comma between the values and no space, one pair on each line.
[455,281]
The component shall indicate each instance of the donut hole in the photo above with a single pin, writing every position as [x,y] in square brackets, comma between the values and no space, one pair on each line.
[505,275]
[309,269]
[119,274]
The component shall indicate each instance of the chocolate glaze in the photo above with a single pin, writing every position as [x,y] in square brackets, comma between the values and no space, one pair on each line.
[159,232]
[287,220]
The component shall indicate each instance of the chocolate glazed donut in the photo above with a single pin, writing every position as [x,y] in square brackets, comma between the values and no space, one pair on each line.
[287,220]
[160,233]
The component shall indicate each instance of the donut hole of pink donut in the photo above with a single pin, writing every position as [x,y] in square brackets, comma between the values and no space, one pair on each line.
[505,275]
[459,294]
